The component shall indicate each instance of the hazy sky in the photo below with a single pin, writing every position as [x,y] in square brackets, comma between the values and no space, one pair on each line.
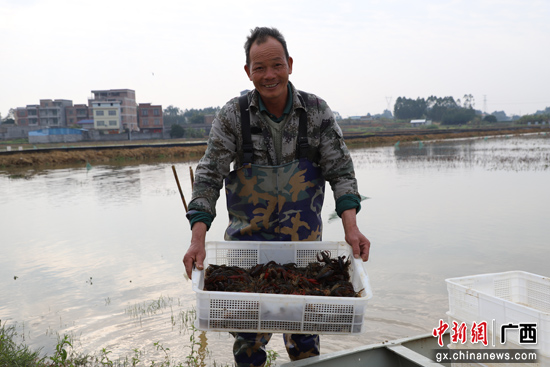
[355,54]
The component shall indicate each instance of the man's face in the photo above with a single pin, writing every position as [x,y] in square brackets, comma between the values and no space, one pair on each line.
[269,70]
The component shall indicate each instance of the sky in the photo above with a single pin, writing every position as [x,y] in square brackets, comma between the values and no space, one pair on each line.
[358,55]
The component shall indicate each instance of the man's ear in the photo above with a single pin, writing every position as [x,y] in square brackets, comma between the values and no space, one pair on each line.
[290,61]
[247,69]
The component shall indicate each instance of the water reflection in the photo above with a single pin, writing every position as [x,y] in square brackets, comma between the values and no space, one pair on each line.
[530,153]
[408,151]
[87,246]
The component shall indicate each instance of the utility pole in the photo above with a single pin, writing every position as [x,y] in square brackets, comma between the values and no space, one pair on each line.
[388,100]
[485,104]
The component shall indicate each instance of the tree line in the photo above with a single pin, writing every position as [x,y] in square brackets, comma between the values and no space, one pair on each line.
[175,115]
[176,118]
[446,110]
[538,116]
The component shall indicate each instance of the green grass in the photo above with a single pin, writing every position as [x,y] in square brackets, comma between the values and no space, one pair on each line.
[15,141]
[14,352]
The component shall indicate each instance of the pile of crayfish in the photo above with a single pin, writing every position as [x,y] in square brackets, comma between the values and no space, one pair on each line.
[327,277]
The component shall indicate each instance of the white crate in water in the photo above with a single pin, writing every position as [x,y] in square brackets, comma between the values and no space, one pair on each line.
[296,314]
[513,297]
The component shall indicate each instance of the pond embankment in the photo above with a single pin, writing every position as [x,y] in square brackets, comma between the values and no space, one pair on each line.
[48,157]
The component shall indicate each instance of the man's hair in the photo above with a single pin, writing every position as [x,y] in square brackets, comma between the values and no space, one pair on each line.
[259,35]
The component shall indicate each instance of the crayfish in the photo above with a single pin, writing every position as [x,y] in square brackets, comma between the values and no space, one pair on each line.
[326,277]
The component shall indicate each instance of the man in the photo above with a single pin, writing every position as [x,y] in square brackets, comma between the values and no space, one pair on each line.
[284,145]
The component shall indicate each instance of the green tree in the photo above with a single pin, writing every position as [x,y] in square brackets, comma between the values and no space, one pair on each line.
[10,118]
[177,131]
[172,111]
[203,111]
[546,111]
[406,108]
[436,107]
[500,115]
[196,116]
[534,118]
[458,116]
[490,118]
[195,133]
[469,101]
[8,121]
[173,115]
[196,119]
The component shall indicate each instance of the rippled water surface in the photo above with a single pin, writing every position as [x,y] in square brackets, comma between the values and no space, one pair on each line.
[96,254]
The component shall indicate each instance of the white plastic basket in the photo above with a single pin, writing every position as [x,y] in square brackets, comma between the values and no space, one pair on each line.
[258,312]
[510,297]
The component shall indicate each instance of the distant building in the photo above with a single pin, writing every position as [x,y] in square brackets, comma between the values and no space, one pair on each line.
[87,124]
[209,119]
[150,118]
[415,123]
[77,113]
[107,116]
[27,116]
[50,113]
[111,111]
[114,110]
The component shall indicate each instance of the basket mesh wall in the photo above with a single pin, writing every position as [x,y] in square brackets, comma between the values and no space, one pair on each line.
[503,289]
[280,325]
[328,317]
[327,328]
[233,324]
[538,295]
[244,258]
[233,314]
[304,257]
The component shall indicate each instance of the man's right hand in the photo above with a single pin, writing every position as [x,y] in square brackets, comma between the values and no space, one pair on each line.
[196,253]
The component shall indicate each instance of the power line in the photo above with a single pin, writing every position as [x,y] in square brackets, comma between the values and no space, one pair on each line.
[530,102]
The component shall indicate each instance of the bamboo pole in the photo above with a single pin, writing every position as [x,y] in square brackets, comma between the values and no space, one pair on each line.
[192,176]
[179,188]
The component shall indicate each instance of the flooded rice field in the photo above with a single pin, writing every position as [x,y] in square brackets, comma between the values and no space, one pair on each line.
[95,252]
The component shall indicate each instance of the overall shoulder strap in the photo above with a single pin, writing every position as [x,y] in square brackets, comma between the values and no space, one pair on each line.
[248,151]
[303,145]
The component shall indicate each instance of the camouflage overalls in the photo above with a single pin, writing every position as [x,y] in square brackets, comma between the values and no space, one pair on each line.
[269,200]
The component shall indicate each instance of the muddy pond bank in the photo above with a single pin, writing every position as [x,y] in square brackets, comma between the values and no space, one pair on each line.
[42,158]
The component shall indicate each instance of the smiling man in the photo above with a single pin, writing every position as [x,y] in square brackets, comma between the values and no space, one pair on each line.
[268,68]
[284,144]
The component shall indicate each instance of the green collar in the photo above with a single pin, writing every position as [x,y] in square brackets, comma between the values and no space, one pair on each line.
[288,106]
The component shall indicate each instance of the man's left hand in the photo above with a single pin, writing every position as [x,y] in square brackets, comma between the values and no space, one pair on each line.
[359,243]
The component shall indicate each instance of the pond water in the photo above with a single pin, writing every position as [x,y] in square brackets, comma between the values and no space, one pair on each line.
[96,253]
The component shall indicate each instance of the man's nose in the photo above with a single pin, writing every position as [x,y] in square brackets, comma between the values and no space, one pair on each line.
[270,72]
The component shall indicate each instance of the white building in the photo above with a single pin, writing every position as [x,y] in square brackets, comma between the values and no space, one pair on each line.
[107,116]
[415,123]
